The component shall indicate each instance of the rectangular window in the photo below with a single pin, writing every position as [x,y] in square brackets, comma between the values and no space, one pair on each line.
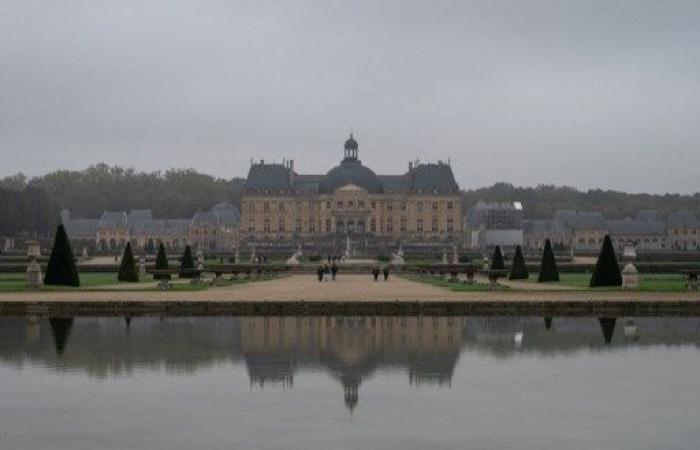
[435,205]
[251,207]
[312,228]
[280,226]
[373,205]
[266,207]
[419,226]
[328,205]
[449,205]
[434,226]
[280,206]
[373,225]
[350,204]
[450,226]
[328,225]
[419,206]
[297,226]
[403,225]
[340,204]
[389,226]
[251,227]
[266,225]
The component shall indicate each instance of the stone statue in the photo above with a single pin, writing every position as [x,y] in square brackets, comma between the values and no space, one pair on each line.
[444,256]
[397,258]
[252,254]
[294,259]
[455,256]
[85,253]
[200,259]
[142,265]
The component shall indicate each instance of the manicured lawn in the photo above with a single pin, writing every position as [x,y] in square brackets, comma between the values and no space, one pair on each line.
[16,282]
[662,282]
[458,286]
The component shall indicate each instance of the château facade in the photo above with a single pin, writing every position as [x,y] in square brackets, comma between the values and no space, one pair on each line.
[350,201]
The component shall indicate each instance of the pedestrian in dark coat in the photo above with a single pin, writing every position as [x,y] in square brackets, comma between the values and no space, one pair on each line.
[334,271]
[375,273]
[319,273]
[386,273]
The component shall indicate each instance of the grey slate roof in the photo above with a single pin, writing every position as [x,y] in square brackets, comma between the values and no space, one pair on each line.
[113,219]
[423,178]
[428,178]
[140,215]
[226,213]
[543,227]
[631,227]
[268,177]
[161,227]
[682,219]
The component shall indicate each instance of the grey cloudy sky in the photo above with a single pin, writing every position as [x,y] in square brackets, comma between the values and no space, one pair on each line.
[590,93]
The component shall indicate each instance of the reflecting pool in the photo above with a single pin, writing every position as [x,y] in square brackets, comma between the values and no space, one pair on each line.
[349,382]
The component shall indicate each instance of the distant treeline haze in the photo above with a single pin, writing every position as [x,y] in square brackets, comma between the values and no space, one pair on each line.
[33,204]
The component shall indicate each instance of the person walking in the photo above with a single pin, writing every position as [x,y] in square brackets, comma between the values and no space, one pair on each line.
[375,273]
[319,273]
[326,273]
[334,271]
[386,273]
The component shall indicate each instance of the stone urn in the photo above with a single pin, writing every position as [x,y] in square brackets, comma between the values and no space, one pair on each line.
[34,275]
[630,277]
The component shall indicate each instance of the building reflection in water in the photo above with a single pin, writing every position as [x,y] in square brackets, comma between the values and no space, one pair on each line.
[350,349]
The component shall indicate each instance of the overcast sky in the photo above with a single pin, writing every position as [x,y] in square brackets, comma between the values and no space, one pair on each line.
[584,93]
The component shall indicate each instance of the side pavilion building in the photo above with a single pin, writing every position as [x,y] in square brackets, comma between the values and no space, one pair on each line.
[350,201]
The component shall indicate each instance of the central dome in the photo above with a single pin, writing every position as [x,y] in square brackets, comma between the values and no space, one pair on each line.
[351,172]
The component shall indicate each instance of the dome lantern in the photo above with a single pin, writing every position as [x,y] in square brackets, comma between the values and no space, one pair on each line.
[350,149]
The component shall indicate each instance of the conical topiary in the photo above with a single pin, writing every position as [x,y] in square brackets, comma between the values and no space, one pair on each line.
[60,328]
[61,270]
[497,259]
[161,263]
[548,270]
[519,269]
[187,264]
[606,272]
[127,269]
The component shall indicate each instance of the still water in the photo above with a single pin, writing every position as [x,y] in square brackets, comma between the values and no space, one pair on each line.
[349,383]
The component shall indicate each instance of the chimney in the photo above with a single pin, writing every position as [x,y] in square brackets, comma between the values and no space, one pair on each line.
[410,166]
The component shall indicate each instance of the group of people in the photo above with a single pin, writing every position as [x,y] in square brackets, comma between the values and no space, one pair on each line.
[384,271]
[326,273]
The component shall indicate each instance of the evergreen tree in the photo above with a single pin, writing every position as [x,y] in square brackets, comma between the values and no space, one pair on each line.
[187,264]
[127,270]
[606,272]
[519,269]
[548,270]
[161,263]
[61,270]
[497,259]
